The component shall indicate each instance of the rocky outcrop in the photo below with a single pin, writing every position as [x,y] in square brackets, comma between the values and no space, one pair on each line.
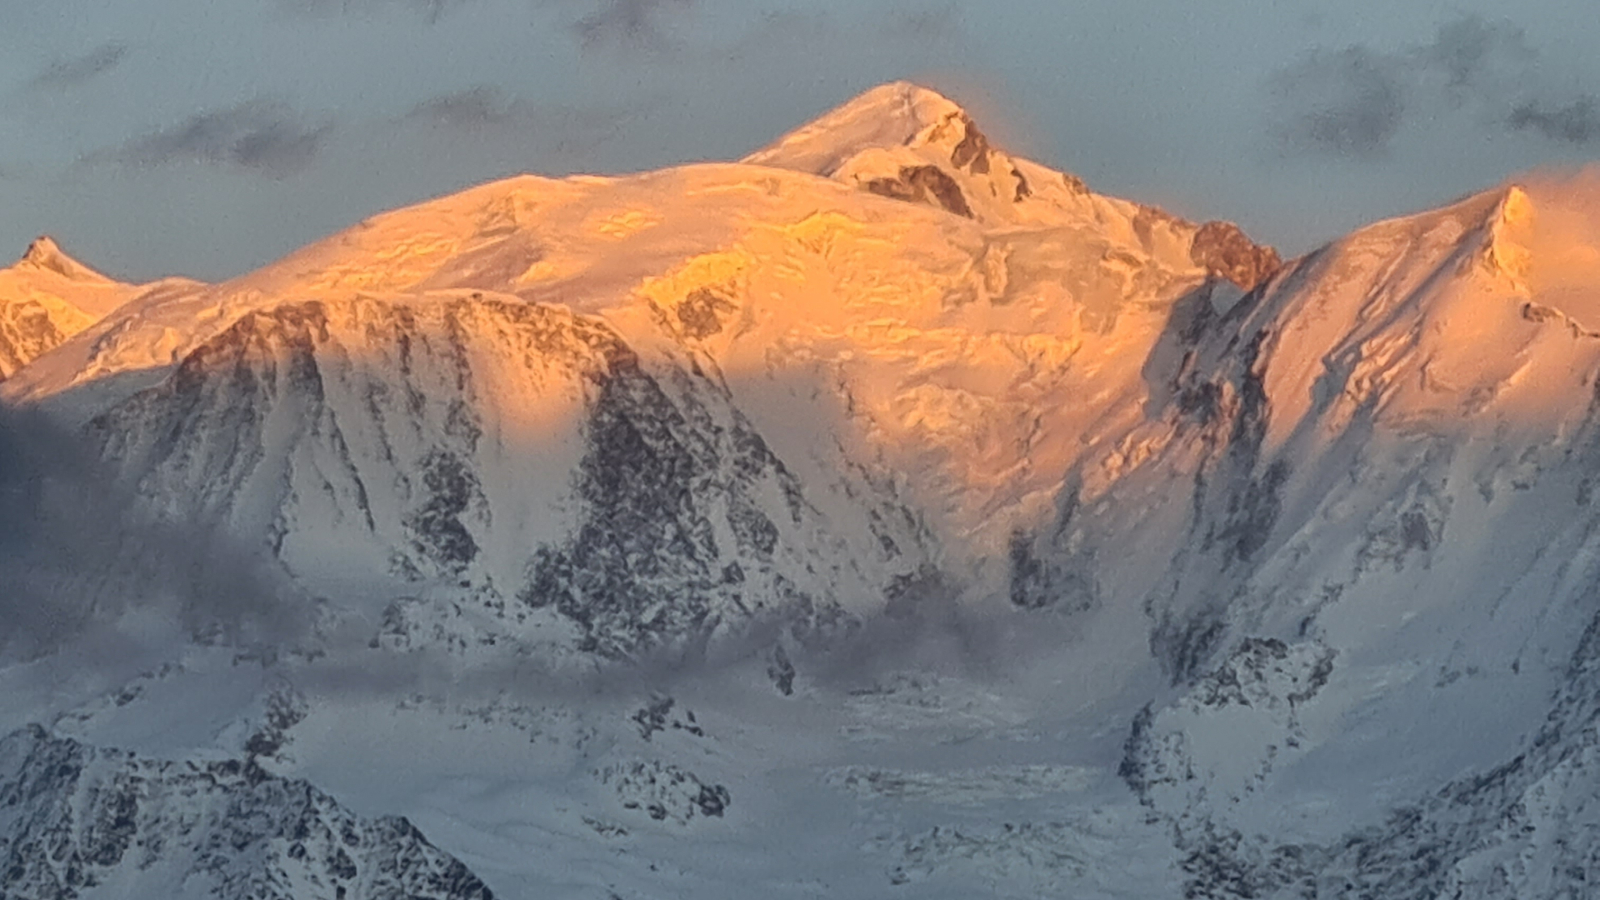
[74,819]
[27,331]
[928,185]
[664,792]
[1227,252]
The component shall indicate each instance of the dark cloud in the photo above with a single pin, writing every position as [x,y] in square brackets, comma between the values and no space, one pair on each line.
[487,110]
[941,23]
[475,108]
[1577,122]
[1354,102]
[431,10]
[74,71]
[260,136]
[1471,51]
[634,24]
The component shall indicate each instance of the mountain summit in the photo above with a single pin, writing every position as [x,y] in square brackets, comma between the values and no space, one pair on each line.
[910,143]
[44,254]
[893,115]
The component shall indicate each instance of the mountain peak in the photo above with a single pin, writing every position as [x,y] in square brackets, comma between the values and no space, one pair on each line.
[45,254]
[890,115]
[1506,245]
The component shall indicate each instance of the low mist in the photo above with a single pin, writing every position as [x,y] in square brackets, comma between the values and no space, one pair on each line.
[80,560]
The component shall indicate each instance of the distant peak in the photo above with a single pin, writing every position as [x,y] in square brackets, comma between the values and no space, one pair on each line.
[890,115]
[43,249]
[909,95]
[45,254]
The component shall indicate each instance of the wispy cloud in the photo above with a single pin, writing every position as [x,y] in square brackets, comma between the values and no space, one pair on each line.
[1577,122]
[1356,101]
[431,10]
[488,110]
[261,136]
[78,554]
[1349,103]
[483,106]
[71,72]
[630,24]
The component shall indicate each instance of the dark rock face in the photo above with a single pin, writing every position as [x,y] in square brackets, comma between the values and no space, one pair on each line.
[700,314]
[927,185]
[451,488]
[73,818]
[645,566]
[1047,580]
[665,792]
[972,153]
[781,671]
[1226,252]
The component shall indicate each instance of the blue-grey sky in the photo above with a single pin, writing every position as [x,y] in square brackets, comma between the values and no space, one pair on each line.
[206,138]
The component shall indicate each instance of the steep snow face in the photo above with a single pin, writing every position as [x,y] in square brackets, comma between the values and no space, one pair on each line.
[559,484]
[1362,520]
[81,822]
[48,297]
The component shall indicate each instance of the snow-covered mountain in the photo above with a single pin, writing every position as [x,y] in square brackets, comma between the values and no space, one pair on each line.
[687,397]
[1370,500]
[47,297]
[882,497]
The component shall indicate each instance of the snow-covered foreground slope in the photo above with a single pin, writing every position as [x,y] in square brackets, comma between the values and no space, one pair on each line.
[880,515]
[81,822]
